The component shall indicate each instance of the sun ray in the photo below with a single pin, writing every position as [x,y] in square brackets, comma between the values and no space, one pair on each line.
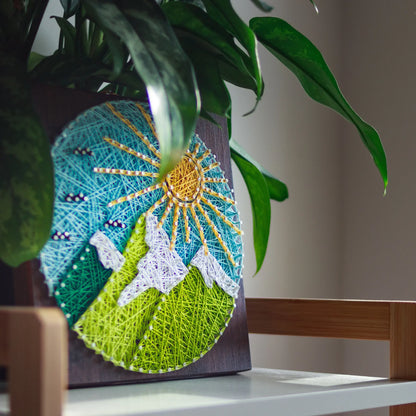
[217,234]
[209,167]
[148,119]
[221,215]
[195,151]
[174,227]
[134,129]
[131,151]
[185,223]
[216,194]
[204,155]
[157,204]
[134,195]
[126,172]
[215,180]
[201,231]
[165,214]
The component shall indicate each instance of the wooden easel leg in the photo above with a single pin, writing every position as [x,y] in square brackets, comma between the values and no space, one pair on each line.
[403,349]
[37,361]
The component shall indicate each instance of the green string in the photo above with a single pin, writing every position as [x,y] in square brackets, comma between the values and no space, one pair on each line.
[155,332]
[81,284]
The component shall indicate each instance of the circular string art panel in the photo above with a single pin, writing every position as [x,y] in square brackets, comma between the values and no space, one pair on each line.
[145,271]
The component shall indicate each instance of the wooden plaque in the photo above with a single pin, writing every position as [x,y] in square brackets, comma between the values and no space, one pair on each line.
[56,107]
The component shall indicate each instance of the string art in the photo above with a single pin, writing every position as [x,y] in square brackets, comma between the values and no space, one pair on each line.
[146,272]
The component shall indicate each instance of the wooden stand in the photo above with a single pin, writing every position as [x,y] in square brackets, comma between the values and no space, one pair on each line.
[372,320]
[37,368]
[33,346]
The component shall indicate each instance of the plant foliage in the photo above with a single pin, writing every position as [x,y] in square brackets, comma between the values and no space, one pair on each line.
[177,54]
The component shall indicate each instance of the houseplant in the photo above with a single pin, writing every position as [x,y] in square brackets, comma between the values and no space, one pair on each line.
[178,53]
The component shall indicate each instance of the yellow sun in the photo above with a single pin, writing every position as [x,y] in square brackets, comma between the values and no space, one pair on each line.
[185,189]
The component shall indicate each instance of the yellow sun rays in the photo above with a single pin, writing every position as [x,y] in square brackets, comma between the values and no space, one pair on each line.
[185,188]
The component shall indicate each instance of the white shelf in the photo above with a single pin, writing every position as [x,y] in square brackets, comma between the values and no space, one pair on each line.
[257,392]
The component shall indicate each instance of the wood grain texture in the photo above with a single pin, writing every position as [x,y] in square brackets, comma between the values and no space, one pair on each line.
[403,349]
[372,320]
[57,107]
[4,340]
[36,359]
[319,318]
[403,410]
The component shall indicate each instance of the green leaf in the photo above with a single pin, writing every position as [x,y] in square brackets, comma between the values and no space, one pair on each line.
[118,53]
[32,20]
[70,7]
[296,52]
[233,75]
[277,189]
[215,97]
[163,66]
[260,204]
[223,12]
[95,37]
[197,23]
[68,32]
[34,60]
[81,34]
[26,175]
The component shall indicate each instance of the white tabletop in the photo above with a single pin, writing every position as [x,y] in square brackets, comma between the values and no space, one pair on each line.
[256,392]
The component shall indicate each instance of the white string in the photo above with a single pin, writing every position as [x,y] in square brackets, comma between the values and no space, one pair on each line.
[108,254]
[160,268]
[212,271]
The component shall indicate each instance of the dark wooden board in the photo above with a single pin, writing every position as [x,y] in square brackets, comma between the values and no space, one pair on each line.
[56,107]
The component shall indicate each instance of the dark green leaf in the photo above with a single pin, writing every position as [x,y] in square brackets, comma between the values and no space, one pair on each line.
[32,19]
[214,94]
[68,32]
[129,80]
[263,6]
[277,189]
[260,205]
[233,75]
[70,7]
[223,12]
[194,21]
[163,66]
[208,117]
[48,69]
[118,52]
[26,176]
[296,52]
[95,36]
[34,60]
[81,34]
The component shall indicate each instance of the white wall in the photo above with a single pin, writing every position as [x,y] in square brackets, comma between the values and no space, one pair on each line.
[379,234]
[337,236]
[297,140]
